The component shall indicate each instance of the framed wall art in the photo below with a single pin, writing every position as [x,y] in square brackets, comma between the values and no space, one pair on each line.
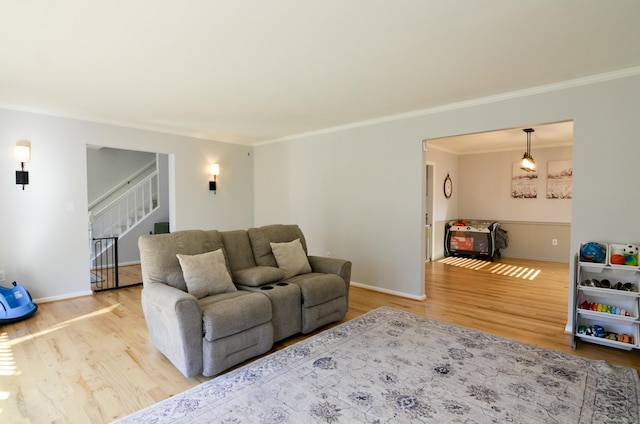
[560,179]
[524,185]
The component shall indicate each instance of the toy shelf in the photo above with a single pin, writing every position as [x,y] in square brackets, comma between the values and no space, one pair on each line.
[612,288]
[607,342]
[601,271]
[607,292]
[629,304]
[611,250]
[605,316]
[619,328]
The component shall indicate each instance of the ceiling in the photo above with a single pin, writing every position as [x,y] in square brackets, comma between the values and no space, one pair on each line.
[543,136]
[249,71]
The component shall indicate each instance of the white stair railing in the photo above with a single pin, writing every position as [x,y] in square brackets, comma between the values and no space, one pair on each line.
[119,216]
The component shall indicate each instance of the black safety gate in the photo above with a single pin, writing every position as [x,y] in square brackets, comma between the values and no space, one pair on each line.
[104,273]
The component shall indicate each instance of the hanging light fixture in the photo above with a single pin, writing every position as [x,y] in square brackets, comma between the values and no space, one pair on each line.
[528,164]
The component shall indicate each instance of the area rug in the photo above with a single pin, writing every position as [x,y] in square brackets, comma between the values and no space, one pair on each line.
[390,366]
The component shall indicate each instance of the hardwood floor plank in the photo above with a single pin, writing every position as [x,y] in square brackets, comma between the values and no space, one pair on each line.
[89,359]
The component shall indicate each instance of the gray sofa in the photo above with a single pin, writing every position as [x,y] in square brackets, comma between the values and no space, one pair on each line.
[213,299]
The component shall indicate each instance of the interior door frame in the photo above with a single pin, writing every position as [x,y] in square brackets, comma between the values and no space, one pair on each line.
[430,190]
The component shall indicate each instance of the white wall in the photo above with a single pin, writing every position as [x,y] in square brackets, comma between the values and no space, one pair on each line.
[352,195]
[108,168]
[44,228]
[358,192]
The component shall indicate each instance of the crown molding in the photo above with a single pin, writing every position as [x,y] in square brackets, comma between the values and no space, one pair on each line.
[608,76]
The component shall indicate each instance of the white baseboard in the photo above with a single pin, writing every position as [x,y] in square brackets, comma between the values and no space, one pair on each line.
[381,290]
[63,297]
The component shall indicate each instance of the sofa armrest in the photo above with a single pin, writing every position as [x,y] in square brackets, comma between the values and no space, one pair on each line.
[174,320]
[333,266]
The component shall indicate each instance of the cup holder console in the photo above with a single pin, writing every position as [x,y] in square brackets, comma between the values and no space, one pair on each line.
[282,283]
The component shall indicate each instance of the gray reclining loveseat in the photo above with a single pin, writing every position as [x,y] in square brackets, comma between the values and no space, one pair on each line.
[213,299]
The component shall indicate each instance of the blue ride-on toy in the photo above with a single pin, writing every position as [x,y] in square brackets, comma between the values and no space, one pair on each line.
[15,304]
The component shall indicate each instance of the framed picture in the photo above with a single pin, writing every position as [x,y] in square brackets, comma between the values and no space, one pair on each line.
[524,185]
[560,179]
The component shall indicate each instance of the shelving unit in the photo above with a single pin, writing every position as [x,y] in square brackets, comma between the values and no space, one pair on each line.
[619,311]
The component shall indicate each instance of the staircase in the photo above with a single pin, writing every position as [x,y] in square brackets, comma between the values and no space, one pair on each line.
[115,214]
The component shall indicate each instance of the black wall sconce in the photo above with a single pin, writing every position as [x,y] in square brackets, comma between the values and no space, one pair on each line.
[214,170]
[22,153]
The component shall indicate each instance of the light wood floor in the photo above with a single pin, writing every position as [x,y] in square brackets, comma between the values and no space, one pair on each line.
[89,359]
[127,276]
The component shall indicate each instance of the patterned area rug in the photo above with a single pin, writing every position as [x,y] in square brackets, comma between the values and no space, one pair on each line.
[390,366]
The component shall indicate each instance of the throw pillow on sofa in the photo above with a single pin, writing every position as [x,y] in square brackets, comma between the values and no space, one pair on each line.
[291,258]
[206,274]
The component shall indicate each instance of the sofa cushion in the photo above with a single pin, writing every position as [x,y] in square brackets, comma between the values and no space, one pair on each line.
[206,274]
[225,315]
[318,288]
[291,258]
[258,276]
[261,238]
[237,249]
[158,254]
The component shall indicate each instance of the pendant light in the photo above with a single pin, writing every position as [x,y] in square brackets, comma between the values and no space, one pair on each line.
[528,164]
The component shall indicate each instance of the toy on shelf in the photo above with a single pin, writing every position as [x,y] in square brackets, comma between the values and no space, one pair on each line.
[617,259]
[592,330]
[630,254]
[593,252]
[599,307]
[606,284]
[624,254]
[599,331]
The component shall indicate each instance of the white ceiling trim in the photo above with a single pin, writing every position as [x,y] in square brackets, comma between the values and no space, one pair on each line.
[158,129]
[624,73]
[608,76]
[482,151]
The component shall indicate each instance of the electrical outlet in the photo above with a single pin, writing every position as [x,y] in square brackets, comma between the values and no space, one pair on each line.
[554,242]
[2,277]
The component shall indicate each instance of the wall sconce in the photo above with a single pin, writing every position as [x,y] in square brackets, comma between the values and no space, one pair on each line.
[214,170]
[22,153]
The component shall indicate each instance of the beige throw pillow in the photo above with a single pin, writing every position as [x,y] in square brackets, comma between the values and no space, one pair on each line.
[206,274]
[291,258]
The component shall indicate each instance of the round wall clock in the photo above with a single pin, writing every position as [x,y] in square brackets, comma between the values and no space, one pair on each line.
[448,187]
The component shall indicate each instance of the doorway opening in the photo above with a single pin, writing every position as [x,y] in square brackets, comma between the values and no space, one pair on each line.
[481,168]
[429,201]
[128,196]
